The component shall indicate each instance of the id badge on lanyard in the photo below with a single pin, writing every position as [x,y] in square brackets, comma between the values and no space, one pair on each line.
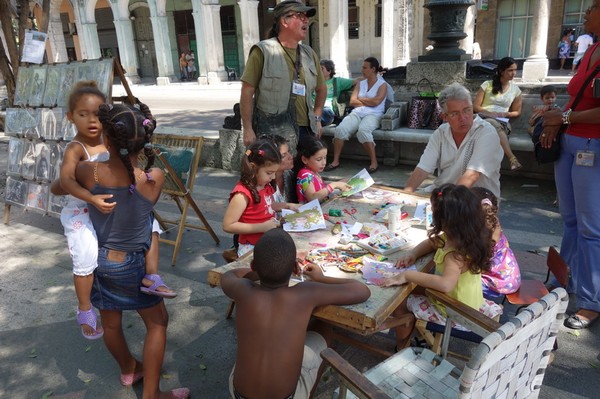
[585,157]
[298,88]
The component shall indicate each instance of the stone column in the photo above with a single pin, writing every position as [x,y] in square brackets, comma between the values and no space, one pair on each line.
[210,57]
[404,12]
[56,40]
[127,50]
[90,44]
[162,45]
[535,67]
[467,43]
[389,34]
[338,28]
[249,24]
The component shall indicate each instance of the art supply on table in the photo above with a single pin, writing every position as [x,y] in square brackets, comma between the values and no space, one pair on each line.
[335,212]
[394,219]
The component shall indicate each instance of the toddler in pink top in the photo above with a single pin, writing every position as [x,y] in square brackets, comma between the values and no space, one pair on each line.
[504,276]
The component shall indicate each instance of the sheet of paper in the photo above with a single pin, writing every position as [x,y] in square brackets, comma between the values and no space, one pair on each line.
[420,210]
[374,272]
[505,120]
[360,181]
[308,218]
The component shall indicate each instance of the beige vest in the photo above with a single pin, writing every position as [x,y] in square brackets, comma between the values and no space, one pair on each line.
[273,92]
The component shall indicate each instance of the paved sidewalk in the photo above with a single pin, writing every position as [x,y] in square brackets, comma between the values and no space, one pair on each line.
[43,353]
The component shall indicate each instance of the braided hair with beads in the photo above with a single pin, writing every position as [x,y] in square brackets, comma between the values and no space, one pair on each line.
[130,130]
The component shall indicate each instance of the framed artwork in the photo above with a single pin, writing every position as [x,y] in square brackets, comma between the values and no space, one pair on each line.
[15,155]
[52,84]
[86,70]
[37,85]
[68,129]
[28,160]
[37,197]
[50,123]
[33,132]
[23,88]
[56,155]
[68,76]
[42,162]
[104,76]
[16,191]
[56,203]
[19,120]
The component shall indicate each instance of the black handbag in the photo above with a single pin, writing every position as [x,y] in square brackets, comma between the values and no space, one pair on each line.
[548,155]
[424,112]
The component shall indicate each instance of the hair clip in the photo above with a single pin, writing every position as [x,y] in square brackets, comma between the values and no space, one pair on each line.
[131,188]
[486,201]
[248,153]
[124,152]
[148,146]
[146,122]
[439,194]
[261,152]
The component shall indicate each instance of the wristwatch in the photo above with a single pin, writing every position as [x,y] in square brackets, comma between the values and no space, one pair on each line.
[566,117]
[317,118]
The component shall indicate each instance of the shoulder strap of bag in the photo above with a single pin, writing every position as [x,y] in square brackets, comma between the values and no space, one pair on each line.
[588,80]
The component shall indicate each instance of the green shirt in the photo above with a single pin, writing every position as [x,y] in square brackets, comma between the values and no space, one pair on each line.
[342,84]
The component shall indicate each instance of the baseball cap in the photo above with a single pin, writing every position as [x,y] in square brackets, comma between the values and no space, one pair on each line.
[285,7]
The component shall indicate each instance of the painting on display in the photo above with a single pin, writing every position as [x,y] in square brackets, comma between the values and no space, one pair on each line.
[37,85]
[68,77]
[42,162]
[15,154]
[37,197]
[19,121]
[56,155]
[52,84]
[56,203]
[50,122]
[16,191]
[28,160]
[23,88]
[104,76]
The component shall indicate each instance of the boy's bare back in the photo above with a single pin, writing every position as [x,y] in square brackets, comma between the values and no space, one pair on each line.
[271,324]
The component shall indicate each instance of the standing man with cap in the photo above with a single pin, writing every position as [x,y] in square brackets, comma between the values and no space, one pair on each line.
[279,79]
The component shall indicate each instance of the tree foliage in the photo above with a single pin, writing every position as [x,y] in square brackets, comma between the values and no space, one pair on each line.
[15,20]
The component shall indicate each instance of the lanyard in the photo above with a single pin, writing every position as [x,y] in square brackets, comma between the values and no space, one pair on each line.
[298,63]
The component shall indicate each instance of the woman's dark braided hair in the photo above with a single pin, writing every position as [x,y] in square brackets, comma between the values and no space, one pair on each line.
[259,154]
[130,130]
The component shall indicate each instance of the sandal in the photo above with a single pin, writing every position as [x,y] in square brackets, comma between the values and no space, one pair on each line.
[331,167]
[153,289]
[130,379]
[89,318]
[577,322]
[515,164]
[180,393]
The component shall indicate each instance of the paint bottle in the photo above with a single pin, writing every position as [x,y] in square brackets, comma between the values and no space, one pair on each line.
[394,221]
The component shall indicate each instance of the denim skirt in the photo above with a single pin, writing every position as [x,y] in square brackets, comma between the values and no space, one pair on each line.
[117,283]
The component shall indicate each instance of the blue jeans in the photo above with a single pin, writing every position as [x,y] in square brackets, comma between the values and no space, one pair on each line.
[117,283]
[579,202]
[327,116]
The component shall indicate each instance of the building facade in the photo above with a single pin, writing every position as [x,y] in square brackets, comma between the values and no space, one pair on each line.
[148,36]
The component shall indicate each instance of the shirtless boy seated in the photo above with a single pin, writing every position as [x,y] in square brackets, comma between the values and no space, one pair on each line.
[276,357]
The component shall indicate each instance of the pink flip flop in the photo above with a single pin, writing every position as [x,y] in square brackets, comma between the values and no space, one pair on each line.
[88,318]
[180,393]
[130,379]
[157,282]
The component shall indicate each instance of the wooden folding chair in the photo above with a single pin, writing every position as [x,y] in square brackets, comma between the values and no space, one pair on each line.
[179,156]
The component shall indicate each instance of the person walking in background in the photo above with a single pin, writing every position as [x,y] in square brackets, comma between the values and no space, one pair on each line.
[463,151]
[191,65]
[497,101]
[368,100]
[564,48]
[183,64]
[576,173]
[335,85]
[279,80]
[582,43]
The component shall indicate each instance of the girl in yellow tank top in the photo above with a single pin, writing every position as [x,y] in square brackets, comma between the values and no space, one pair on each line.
[462,244]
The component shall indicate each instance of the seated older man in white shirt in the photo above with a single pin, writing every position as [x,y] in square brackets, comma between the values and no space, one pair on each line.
[465,150]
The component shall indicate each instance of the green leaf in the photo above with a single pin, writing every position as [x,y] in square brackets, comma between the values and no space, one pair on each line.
[202,367]
[166,376]
[594,365]
[575,333]
[88,348]
[47,395]
[32,353]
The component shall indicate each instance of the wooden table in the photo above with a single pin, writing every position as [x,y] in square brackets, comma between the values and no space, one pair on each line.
[374,314]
